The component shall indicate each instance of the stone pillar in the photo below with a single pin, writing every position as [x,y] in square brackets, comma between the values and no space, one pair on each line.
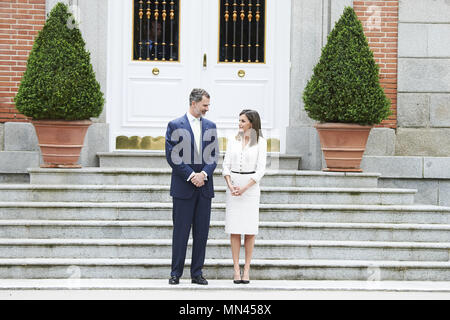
[94,27]
[92,16]
[311,23]
[2,133]
[424,79]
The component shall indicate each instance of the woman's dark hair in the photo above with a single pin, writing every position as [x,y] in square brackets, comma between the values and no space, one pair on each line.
[255,120]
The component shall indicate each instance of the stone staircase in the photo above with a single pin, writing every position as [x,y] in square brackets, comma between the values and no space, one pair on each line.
[115,222]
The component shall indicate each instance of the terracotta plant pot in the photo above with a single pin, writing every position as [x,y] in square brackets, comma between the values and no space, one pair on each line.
[61,141]
[343,145]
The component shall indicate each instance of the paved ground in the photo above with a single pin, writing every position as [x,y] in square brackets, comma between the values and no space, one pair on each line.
[220,289]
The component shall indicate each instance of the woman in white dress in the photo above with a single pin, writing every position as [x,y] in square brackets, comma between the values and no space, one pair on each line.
[243,167]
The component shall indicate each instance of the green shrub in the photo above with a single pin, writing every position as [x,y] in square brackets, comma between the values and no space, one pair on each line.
[59,82]
[345,86]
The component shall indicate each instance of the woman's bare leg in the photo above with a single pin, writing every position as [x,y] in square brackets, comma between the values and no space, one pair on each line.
[235,240]
[249,244]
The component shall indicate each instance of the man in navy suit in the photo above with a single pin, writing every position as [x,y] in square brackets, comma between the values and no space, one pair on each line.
[192,150]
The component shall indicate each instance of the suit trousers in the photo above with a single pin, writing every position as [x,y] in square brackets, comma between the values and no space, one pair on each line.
[195,212]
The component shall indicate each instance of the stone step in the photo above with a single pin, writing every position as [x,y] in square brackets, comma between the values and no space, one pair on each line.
[268,212]
[149,193]
[160,229]
[14,178]
[292,269]
[120,289]
[140,176]
[157,159]
[220,249]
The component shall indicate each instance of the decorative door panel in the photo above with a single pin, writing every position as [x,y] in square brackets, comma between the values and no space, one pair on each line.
[150,73]
[243,68]
[159,73]
[231,98]
[159,50]
[141,99]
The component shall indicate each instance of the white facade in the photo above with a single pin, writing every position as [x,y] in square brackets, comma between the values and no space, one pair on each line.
[141,103]
[296,31]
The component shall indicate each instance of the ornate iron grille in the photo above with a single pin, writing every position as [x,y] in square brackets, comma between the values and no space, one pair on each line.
[242,31]
[156,30]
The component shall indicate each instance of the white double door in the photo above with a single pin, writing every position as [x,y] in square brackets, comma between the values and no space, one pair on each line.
[143,96]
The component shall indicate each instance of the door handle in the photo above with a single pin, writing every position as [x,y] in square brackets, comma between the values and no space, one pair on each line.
[205,60]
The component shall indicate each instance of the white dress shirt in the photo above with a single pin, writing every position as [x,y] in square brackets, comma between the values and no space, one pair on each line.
[196,127]
[247,159]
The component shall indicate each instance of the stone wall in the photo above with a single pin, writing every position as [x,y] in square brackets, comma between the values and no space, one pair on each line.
[424,78]
[429,175]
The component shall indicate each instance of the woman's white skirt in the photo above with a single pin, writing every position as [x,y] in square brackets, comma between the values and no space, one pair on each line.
[242,212]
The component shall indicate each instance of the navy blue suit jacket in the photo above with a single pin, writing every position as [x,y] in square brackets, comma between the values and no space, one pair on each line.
[183,157]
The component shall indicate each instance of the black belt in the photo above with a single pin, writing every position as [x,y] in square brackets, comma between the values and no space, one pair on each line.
[244,172]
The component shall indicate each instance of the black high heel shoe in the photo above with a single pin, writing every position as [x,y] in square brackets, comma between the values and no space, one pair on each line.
[245,281]
[238,281]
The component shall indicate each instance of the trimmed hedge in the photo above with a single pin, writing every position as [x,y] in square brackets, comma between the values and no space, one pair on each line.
[59,82]
[345,87]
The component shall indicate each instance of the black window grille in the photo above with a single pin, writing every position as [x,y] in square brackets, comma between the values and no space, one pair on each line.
[242,31]
[156,30]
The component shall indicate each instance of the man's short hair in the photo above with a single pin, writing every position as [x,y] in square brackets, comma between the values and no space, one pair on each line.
[197,95]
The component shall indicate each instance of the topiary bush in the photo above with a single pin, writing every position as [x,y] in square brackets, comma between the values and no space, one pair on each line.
[59,82]
[345,87]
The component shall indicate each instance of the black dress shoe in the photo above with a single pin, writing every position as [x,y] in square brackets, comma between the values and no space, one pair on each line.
[174,280]
[200,280]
